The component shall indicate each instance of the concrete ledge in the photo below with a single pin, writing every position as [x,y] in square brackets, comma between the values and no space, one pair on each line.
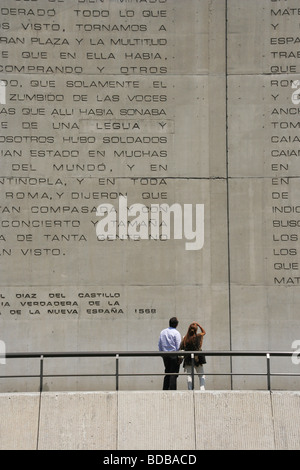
[74,420]
[157,420]
[286,412]
[233,420]
[19,419]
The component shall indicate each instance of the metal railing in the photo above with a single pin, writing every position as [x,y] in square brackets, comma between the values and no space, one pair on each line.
[118,354]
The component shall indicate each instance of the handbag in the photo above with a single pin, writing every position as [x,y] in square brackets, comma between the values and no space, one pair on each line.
[180,359]
[199,359]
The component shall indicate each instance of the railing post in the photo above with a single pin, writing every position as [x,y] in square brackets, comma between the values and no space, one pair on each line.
[41,372]
[117,372]
[268,371]
[193,375]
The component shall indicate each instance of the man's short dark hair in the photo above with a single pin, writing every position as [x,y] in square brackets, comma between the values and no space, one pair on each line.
[173,322]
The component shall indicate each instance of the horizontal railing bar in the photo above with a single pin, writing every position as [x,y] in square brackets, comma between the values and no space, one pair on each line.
[256,374]
[19,376]
[283,374]
[143,374]
[41,356]
[263,374]
[142,353]
[134,375]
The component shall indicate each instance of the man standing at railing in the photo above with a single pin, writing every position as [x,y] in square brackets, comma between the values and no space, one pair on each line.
[169,340]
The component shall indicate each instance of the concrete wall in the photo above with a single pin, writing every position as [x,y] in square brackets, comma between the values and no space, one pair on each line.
[164,104]
[150,421]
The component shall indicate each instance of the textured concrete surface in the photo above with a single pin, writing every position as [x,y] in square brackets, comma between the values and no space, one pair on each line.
[19,421]
[151,420]
[286,411]
[156,420]
[78,421]
[209,115]
[239,420]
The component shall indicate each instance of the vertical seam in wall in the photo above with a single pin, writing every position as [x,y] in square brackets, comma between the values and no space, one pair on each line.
[117,424]
[227,187]
[273,420]
[195,427]
[39,420]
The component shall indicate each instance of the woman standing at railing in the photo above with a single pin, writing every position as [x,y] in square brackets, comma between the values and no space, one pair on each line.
[192,341]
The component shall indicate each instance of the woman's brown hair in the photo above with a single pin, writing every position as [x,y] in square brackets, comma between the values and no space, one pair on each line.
[191,336]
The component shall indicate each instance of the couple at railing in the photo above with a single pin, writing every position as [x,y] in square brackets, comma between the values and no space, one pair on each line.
[170,340]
